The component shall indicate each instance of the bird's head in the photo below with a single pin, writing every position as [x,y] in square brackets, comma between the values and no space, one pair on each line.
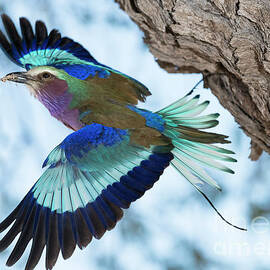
[41,79]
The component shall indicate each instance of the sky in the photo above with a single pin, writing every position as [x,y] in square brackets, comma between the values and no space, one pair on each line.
[171,226]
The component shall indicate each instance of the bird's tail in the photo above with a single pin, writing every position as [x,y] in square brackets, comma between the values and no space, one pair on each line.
[193,146]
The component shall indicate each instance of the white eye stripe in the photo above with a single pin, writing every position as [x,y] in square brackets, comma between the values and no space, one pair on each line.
[40,70]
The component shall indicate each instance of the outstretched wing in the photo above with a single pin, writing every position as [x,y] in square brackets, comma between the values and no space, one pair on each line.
[42,49]
[90,177]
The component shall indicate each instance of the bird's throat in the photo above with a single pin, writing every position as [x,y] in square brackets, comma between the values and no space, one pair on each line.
[56,98]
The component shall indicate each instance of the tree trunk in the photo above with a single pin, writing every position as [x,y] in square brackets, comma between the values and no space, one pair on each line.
[227,39]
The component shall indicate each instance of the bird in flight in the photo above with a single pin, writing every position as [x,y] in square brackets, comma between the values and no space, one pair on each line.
[116,151]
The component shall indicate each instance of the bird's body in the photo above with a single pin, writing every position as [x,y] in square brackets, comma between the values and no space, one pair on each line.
[116,152]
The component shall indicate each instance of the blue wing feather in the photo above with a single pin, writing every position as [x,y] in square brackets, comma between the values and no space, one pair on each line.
[51,48]
[81,193]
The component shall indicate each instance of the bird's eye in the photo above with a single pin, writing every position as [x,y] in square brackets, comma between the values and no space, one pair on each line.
[46,75]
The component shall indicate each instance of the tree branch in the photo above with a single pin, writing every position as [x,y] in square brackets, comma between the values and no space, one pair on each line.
[216,37]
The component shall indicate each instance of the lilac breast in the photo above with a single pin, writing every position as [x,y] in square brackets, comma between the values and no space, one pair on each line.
[57,102]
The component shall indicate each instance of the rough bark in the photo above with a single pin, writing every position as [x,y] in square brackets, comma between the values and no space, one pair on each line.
[228,39]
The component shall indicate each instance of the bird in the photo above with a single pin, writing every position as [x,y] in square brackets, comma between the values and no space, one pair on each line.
[116,151]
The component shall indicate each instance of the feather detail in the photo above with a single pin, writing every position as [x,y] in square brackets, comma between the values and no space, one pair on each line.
[191,145]
[90,177]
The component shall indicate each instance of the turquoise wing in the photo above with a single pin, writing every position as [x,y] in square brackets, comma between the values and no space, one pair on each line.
[89,178]
[40,48]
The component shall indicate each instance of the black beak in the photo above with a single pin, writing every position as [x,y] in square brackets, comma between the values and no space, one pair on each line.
[19,77]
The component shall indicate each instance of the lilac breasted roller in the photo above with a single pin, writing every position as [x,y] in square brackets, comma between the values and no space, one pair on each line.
[117,151]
